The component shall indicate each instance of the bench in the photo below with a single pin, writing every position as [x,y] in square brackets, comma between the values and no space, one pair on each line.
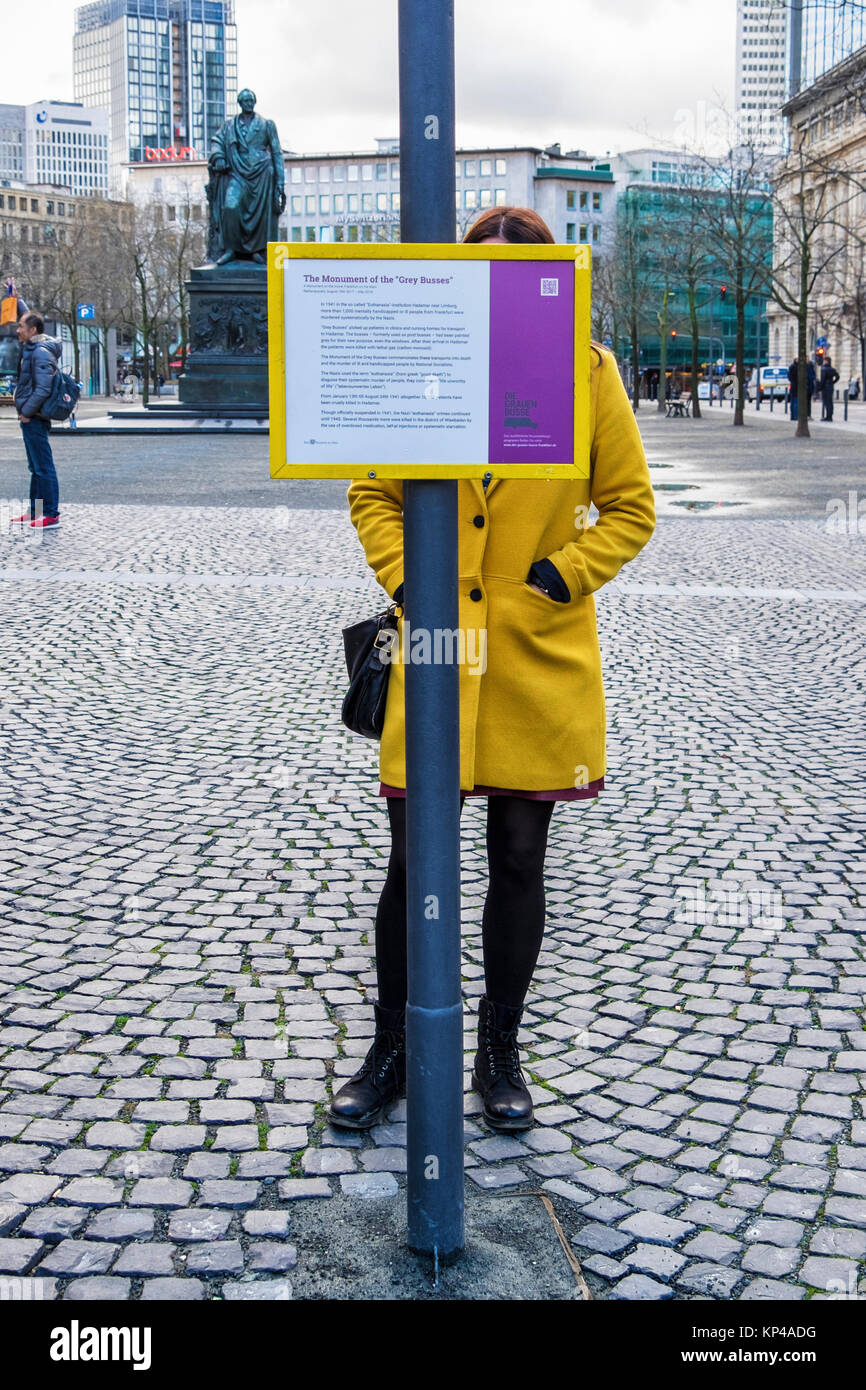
[679,406]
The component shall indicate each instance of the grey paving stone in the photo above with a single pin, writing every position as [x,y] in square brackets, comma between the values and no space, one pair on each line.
[202,1223]
[143,1258]
[207,1165]
[228,1193]
[29,1189]
[257,1290]
[11,1216]
[770,1260]
[54,1223]
[18,1256]
[266,1223]
[655,1260]
[655,1227]
[604,1267]
[560,1188]
[601,1238]
[78,1257]
[771,1290]
[121,1225]
[319,1162]
[172,1290]
[716,1281]
[271,1256]
[98,1288]
[178,1138]
[836,1240]
[831,1275]
[160,1192]
[217,1257]
[91,1192]
[378,1185]
[639,1287]
[296,1189]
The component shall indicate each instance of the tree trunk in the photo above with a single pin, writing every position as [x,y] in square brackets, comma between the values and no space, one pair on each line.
[663,353]
[740,364]
[108,381]
[635,367]
[693,316]
[803,394]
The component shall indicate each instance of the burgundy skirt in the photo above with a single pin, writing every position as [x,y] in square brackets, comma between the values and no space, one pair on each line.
[591,789]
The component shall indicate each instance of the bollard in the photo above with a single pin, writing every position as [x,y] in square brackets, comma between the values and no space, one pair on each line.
[845,400]
[434,1014]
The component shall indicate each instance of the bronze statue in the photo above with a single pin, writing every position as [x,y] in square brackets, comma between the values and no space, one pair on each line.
[246,191]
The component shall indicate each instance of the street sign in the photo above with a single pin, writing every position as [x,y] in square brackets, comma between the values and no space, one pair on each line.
[821,342]
[84,311]
[429,360]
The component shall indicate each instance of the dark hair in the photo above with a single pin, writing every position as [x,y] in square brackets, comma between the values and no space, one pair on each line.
[513,224]
[35,320]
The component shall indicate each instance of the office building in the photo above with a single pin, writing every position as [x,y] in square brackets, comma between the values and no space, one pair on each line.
[823,33]
[59,143]
[761,72]
[165,70]
[356,196]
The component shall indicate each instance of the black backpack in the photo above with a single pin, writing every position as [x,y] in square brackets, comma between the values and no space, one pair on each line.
[63,398]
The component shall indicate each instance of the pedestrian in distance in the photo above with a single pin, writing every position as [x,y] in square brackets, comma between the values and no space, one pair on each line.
[40,356]
[811,384]
[532,724]
[829,377]
[793,380]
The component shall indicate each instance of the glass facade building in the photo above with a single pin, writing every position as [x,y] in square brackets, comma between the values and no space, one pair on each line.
[165,70]
[822,34]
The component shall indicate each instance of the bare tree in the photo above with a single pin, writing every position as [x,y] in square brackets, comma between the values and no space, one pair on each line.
[632,290]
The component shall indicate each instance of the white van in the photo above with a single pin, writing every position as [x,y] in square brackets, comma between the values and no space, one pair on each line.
[774,382]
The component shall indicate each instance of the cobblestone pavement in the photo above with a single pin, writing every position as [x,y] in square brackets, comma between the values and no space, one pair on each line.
[191,857]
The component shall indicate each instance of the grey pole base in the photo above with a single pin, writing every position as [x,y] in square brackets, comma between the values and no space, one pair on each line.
[435,1190]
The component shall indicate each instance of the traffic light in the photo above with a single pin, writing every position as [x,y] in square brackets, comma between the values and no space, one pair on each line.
[673,332]
[724,291]
[819,354]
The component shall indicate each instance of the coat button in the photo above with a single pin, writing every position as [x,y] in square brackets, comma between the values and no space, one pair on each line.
[478,521]
[476,595]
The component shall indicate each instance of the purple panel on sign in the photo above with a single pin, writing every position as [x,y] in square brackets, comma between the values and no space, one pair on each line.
[531,362]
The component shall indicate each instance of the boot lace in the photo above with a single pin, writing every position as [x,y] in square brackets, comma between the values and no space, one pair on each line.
[503,1057]
[382,1055]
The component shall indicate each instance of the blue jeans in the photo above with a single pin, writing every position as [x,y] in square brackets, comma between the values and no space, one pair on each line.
[40,461]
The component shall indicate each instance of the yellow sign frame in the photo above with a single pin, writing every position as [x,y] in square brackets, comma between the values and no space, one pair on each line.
[279,252]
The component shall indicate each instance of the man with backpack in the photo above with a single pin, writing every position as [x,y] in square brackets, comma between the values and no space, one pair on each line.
[37,370]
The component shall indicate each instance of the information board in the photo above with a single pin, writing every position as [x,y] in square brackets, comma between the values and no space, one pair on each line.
[420,361]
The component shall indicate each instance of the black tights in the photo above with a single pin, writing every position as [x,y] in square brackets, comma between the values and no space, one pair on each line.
[513,922]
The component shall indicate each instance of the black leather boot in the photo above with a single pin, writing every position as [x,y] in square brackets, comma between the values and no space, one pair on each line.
[381,1078]
[497,1075]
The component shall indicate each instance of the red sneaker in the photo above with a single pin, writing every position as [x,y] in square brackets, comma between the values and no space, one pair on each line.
[19,520]
[43,523]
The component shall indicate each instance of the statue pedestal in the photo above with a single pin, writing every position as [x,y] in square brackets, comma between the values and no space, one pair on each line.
[227,365]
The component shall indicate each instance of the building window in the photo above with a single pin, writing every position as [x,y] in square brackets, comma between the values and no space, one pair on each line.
[2,201]
[569,231]
[309,174]
[339,173]
[381,171]
[170,213]
[310,234]
[34,204]
[11,202]
[583,229]
[499,196]
[353,173]
[366,232]
[596,202]
[310,203]
[366,172]
[395,171]
[366,202]
[296,174]
[458,169]
[326,234]
[196,212]
[469,168]
[324,173]
[395,202]
[339,202]
[339,233]
[486,197]
[353,232]
[584,201]
[296,205]
[324,202]
[381,202]
[471,198]
[571,200]
[596,234]
[296,234]
[500,166]
[353,202]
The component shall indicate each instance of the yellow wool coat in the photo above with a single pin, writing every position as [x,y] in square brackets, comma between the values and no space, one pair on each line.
[534,719]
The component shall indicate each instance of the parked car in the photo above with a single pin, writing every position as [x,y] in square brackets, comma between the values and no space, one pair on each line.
[774,382]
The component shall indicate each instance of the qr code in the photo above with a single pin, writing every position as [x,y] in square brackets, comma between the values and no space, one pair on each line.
[550,287]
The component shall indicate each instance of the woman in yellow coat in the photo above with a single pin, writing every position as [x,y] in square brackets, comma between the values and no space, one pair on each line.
[532,722]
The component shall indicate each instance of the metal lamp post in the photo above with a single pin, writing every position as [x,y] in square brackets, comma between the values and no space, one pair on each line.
[434,1015]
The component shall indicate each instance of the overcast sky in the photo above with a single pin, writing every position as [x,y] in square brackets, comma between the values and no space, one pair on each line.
[595,74]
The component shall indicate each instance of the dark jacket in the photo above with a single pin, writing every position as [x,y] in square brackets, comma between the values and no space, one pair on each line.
[36,371]
[829,377]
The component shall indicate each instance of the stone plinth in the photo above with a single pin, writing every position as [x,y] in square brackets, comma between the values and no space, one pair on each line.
[227,363]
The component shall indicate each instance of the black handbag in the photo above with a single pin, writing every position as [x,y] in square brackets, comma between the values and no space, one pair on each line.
[369,647]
